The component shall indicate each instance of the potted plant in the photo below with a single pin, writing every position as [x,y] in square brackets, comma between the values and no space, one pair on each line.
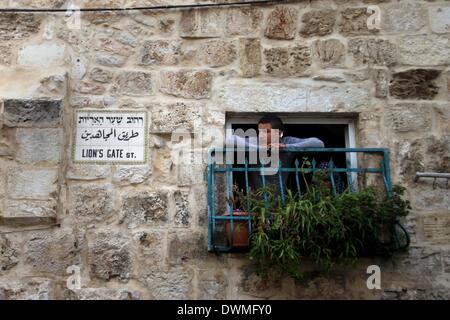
[238,230]
[329,229]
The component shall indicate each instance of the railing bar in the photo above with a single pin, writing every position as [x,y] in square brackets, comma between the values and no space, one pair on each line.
[315,150]
[306,170]
[229,182]
[297,178]
[313,163]
[384,178]
[432,175]
[387,172]
[349,176]
[210,214]
[213,205]
[280,178]
[248,201]
[264,186]
[236,218]
[333,184]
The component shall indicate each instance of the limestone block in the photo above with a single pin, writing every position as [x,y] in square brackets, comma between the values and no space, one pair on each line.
[91,202]
[436,228]
[290,61]
[87,87]
[176,116]
[133,83]
[243,21]
[126,175]
[109,255]
[19,25]
[429,153]
[263,97]
[27,289]
[88,102]
[372,51]
[8,255]
[329,287]
[427,199]
[78,40]
[171,283]
[110,60]
[342,97]
[250,57]
[424,49]
[152,22]
[329,53]
[183,215]
[26,113]
[103,17]
[185,246]
[190,84]
[150,246]
[354,22]
[87,172]
[38,184]
[201,23]
[217,53]
[43,55]
[408,117]
[212,284]
[318,23]
[403,17]
[38,145]
[381,79]
[282,23]
[52,251]
[254,285]
[419,261]
[53,85]
[19,213]
[3,180]
[267,97]
[160,53]
[101,75]
[415,84]
[443,112]
[440,18]
[42,3]
[145,208]
[6,54]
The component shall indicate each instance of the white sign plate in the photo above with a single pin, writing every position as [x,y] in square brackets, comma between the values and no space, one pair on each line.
[110,137]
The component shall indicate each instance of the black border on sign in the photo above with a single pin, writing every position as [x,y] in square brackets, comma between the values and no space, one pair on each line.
[106,162]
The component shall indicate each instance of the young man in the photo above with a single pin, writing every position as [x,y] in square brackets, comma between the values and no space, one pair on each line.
[266,125]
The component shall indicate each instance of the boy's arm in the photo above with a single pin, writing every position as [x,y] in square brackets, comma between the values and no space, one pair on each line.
[303,143]
[239,142]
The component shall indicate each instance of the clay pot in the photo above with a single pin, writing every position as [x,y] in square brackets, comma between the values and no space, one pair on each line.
[240,230]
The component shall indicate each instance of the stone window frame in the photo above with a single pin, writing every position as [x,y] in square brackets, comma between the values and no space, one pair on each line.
[350,120]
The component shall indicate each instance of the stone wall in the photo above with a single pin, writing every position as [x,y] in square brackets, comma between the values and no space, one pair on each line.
[140,231]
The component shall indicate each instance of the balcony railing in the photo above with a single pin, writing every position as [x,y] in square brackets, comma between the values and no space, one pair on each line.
[220,178]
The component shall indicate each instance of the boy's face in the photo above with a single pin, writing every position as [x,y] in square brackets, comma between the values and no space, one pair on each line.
[265,133]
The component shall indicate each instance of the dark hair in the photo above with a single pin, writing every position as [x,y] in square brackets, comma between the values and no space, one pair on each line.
[274,121]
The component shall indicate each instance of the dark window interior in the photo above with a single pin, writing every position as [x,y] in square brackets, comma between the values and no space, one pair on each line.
[333,136]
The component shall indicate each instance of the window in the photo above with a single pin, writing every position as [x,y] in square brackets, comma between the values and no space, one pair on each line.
[334,131]
[338,135]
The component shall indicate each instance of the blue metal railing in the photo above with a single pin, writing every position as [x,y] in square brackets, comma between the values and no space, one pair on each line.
[227,171]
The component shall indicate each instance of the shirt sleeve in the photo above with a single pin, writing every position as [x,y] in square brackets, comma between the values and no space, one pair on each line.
[303,143]
[239,142]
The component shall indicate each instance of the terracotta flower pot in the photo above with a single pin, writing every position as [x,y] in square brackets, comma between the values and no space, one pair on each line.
[240,230]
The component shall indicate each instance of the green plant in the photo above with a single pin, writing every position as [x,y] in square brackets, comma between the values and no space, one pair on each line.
[328,228]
